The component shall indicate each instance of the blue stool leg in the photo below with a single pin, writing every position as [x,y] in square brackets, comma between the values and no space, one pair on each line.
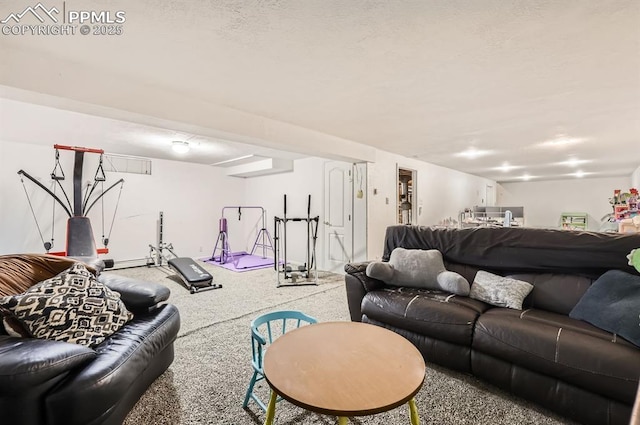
[250,389]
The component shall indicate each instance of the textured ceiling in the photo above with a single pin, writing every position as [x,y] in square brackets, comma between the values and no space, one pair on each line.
[425,79]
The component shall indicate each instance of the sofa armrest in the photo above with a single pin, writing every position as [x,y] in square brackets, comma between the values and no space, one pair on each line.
[358,271]
[32,365]
[358,284]
[137,295]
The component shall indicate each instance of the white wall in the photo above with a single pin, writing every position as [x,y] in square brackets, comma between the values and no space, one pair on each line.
[190,195]
[545,201]
[360,212]
[440,193]
[635,178]
[268,192]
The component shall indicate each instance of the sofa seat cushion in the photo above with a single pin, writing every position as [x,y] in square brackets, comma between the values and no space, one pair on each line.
[120,360]
[560,347]
[427,312]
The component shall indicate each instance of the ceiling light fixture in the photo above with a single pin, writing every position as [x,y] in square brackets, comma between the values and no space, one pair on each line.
[179,146]
[579,174]
[562,141]
[505,167]
[526,177]
[573,162]
[473,153]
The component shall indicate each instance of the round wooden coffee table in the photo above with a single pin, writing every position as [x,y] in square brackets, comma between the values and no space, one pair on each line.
[344,369]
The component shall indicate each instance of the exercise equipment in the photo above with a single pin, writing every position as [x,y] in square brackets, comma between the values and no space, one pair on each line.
[194,277]
[281,265]
[79,238]
[223,248]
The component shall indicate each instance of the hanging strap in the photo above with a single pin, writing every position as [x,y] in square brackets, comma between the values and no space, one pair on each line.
[53,219]
[105,241]
[100,176]
[56,167]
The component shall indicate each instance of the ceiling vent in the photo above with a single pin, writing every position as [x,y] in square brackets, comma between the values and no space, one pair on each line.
[261,168]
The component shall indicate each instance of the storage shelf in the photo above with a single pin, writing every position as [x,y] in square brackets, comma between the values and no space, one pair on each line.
[574,221]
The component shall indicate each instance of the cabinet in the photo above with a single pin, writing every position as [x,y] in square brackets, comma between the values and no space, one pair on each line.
[574,221]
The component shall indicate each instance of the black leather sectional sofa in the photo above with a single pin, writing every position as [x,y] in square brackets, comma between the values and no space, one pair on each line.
[538,353]
[49,382]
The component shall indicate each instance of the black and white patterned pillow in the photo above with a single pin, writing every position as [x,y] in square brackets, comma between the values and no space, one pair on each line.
[499,290]
[72,306]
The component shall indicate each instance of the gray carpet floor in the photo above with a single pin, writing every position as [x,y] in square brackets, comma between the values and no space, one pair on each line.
[207,381]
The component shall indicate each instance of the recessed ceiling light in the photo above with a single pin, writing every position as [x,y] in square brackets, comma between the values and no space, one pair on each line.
[473,153]
[562,141]
[579,174]
[574,162]
[179,146]
[506,167]
[526,177]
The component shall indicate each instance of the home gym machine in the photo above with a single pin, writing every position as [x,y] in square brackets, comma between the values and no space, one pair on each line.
[281,265]
[194,277]
[79,238]
[263,240]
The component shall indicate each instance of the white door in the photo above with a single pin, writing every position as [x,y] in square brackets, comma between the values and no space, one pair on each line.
[490,196]
[337,218]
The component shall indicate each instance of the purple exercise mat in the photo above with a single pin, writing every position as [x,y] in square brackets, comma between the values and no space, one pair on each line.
[242,262]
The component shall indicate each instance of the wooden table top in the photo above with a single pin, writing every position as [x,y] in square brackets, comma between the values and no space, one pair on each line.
[344,368]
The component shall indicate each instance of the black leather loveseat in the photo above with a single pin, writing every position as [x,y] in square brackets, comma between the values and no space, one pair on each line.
[53,382]
[539,352]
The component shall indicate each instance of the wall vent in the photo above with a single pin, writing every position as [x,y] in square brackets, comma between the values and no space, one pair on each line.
[126,164]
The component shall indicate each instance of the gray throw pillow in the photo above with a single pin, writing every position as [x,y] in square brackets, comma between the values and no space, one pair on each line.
[418,268]
[499,290]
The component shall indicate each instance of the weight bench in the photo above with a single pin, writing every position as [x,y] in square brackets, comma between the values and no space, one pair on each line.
[194,277]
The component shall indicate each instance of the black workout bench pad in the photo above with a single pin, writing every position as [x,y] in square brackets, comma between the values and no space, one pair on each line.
[194,277]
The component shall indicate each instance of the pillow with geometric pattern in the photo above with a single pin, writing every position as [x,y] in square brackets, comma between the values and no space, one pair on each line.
[72,306]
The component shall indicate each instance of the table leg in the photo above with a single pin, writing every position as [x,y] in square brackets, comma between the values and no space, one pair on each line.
[271,409]
[342,420]
[415,419]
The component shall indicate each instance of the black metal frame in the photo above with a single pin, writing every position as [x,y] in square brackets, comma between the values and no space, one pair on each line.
[283,267]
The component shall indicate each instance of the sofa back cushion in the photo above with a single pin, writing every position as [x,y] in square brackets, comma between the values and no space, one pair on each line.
[557,293]
[19,272]
[520,250]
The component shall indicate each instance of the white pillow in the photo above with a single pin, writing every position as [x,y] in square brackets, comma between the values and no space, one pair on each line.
[499,290]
